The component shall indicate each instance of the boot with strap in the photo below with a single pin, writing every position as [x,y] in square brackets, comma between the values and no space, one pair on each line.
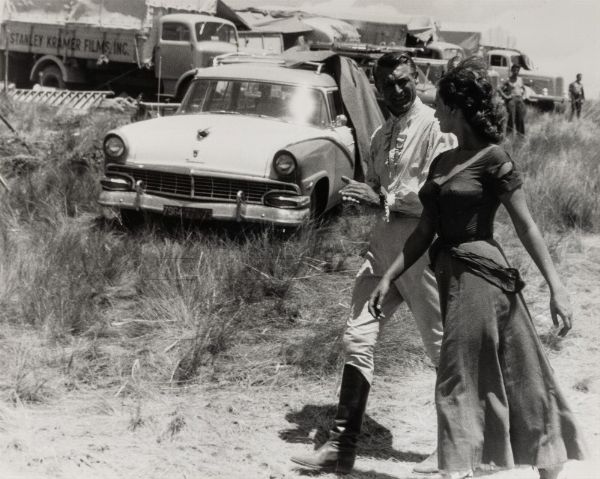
[339,452]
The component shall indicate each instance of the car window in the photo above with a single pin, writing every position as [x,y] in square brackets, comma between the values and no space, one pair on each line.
[335,103]
[289,103]
[498,61]
[215,32]
[175,32]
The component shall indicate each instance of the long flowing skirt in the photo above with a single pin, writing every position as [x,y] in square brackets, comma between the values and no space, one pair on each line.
[497,399]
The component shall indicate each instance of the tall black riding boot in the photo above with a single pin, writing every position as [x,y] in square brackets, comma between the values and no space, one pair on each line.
[339,452]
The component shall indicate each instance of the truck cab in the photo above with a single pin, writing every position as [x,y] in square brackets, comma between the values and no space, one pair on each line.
[188,41]
[440,51]
[544,91]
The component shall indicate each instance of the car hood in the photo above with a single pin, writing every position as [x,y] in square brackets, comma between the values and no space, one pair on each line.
[222,143]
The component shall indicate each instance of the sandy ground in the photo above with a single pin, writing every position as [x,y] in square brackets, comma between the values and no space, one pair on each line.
[232,431]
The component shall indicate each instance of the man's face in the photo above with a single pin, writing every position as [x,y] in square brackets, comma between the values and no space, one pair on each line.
[579,77]
[398,87]
[515,70]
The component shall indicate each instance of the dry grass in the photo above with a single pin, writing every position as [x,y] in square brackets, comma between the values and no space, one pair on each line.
[561,163]
[165,305]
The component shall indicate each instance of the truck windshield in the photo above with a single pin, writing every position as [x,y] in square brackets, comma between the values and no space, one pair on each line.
[215,32]
[449,53]
[290,103]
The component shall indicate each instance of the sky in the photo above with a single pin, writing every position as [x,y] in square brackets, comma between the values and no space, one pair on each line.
[562,37]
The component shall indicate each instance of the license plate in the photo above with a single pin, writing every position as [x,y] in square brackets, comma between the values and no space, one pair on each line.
[188,213]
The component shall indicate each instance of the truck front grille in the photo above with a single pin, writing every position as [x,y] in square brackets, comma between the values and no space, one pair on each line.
[200,187]
[537,84]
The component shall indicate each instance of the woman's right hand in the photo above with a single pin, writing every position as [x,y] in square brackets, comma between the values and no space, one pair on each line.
[560,307]
[377,297]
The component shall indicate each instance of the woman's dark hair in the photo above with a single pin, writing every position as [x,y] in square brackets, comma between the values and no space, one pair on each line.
[468,87]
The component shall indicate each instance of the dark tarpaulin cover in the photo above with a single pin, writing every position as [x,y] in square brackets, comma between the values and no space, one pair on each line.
[358,96]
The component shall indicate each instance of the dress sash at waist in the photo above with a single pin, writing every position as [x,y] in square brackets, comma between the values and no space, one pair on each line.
[506,278]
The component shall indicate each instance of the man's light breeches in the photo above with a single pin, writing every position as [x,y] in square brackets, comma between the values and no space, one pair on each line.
[417,287]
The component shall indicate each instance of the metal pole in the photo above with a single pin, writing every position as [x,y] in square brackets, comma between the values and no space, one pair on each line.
[159,77]
[6,32]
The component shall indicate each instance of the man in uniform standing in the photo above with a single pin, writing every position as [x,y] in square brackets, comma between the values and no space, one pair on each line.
[577,96]
[513,92]
[401,151]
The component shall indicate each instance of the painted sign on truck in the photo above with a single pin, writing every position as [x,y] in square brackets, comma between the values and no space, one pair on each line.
[137,46]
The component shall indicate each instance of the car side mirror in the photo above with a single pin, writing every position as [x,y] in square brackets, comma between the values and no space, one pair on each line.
[340,120]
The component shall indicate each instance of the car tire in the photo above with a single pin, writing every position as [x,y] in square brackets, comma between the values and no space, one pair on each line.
[132,219]
[51,76]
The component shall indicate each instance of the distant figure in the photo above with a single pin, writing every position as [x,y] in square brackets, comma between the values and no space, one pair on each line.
[577,96]
[513,92]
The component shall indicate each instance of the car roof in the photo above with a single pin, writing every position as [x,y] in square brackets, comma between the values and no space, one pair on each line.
[268,72]
[500,51]
[192,17]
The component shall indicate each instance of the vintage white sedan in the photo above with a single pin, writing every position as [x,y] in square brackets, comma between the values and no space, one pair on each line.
[253,140]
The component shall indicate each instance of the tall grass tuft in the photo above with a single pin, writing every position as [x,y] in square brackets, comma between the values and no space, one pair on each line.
[163,305]
[561,164]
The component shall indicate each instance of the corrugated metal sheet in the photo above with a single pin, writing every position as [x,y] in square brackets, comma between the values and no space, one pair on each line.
[78,100]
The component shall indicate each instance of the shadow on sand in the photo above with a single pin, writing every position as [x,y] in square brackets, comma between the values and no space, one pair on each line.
[311,425]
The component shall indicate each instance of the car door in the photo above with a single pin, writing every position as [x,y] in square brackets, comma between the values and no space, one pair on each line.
[344,166]
[343,131]
[175,50]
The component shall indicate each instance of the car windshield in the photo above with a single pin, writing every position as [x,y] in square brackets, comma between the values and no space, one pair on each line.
[215,32]
[290,103]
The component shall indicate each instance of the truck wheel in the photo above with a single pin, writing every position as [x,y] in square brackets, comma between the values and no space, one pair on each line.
[51,76]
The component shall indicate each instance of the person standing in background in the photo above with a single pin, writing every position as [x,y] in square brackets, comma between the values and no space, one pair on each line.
[577,96]
[513,92]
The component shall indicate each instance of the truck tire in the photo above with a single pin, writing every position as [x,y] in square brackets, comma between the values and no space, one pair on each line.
[51,76]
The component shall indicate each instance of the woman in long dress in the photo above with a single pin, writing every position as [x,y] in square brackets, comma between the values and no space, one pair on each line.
[496,396]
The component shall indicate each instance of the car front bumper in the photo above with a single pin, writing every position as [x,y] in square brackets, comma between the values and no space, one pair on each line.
[221,211]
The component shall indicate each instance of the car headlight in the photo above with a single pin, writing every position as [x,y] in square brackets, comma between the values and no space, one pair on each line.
[114,148]
[284,163]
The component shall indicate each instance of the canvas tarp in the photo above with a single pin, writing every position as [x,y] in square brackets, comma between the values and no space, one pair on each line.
[469,41]
[290,22]
[123,14]
[379,28]
[357,94]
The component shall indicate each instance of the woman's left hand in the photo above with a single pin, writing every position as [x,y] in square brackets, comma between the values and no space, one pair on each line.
[560,305]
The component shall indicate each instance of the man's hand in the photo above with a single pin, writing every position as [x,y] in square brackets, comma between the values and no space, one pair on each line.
[357,192]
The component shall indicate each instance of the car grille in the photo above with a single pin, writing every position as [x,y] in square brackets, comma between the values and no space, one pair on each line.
[197,187]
